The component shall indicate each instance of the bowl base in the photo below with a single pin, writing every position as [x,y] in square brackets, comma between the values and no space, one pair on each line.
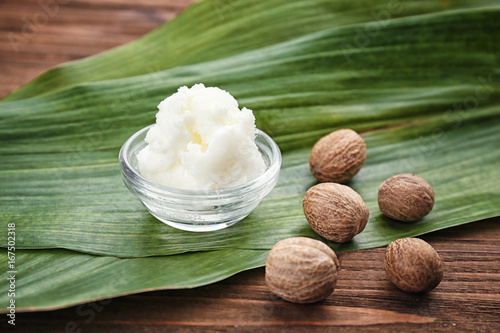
[200,227]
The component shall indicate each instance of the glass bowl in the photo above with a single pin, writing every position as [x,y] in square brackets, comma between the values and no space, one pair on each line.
[205,210]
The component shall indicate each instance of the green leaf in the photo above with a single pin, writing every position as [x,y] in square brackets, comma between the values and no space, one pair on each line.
[422,88]
[215,29]
[61,278]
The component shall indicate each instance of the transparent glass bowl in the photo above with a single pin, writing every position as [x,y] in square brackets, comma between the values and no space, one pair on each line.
[205,210]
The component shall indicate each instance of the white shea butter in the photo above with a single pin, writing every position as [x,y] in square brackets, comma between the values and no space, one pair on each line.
[201,141]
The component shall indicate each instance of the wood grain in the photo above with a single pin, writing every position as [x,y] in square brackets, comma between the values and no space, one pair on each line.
[34,38]
[468,298]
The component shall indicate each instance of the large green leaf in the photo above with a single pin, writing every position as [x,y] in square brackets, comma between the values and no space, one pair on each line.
[62,278]
[215,29]
[423,88]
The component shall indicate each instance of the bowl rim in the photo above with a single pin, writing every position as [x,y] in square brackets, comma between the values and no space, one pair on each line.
[272,170]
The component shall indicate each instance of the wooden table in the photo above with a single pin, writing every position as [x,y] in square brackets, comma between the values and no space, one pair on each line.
[467,300]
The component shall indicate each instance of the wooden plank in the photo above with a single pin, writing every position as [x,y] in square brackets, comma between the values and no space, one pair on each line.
[72,31]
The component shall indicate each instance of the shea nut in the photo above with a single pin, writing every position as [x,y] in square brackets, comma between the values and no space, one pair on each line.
[335,212]
[405,197]
[338,156]
[301,270]
[413,265]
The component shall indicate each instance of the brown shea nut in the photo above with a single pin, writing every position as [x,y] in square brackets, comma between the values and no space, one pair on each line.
[405,197]
[413,265]
[335,212]
[338,156]
[301,270]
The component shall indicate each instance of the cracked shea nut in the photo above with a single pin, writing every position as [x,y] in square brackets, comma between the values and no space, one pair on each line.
[301,270]
[413,265]
[405,197]
[338,156]
[335,212]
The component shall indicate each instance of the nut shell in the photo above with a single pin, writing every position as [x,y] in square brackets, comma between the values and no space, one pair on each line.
[335,212]
[405,197]
[413,265]
[338,156]
[301,270]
